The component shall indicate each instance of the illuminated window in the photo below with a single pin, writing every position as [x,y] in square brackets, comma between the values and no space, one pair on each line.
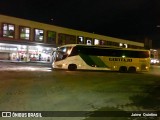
[96,42]
[24,33]
[8,30]
[39,35]
[121,44]
[80,40]
[51,37]
[88,41]
[126,46]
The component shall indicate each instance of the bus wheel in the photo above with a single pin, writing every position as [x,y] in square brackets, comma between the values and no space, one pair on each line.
[72,67]
[123,69]
[132,70]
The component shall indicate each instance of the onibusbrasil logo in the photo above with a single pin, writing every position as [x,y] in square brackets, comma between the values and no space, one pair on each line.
[21,114]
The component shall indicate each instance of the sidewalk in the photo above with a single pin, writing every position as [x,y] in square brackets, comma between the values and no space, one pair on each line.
[28,62]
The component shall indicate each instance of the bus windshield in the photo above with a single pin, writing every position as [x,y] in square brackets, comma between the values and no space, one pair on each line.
[61,53]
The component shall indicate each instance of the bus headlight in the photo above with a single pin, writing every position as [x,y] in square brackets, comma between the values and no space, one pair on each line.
[137,68]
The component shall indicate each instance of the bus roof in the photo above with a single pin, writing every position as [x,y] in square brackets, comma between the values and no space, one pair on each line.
[100,46]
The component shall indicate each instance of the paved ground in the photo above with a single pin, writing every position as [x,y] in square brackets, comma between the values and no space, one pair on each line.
[35,87]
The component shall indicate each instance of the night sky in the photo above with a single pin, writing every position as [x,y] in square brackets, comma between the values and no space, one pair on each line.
[127,19]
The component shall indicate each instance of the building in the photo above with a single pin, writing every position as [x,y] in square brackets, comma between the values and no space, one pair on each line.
[155,56]
[27,40]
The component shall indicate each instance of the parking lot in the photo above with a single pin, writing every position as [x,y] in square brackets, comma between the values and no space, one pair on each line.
[35,87]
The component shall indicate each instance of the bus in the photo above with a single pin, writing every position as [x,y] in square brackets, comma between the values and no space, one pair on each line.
[98,57]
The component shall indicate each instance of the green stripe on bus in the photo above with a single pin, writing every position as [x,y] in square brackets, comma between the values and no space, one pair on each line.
[98,62]
[93,60]
[87,59]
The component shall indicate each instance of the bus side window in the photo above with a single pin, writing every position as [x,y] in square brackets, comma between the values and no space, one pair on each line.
[59,55]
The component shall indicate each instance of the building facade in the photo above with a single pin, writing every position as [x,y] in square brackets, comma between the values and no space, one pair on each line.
[26,40]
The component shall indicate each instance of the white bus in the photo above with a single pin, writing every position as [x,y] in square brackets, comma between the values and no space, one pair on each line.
[94,57]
